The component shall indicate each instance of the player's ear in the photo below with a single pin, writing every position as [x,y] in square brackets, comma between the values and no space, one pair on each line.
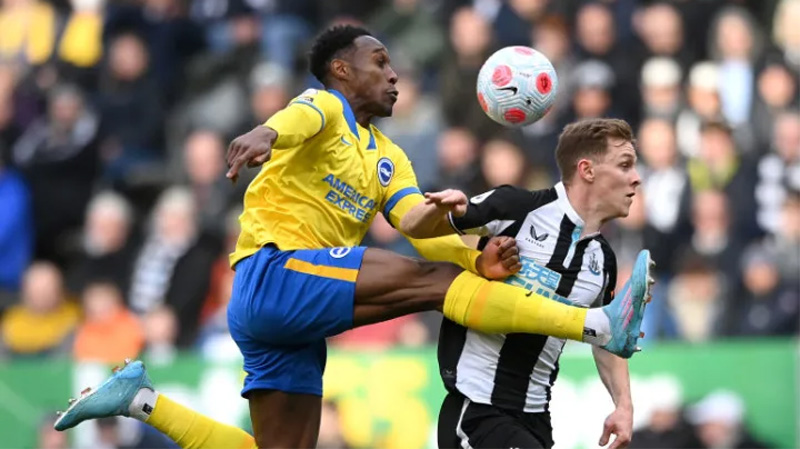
[586,170]
[340,69]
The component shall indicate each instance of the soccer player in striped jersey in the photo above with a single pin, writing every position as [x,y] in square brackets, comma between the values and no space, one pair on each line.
[499,385]
[301,276]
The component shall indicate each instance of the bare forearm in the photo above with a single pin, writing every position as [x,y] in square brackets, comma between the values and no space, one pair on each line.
[614,373]
[425,221]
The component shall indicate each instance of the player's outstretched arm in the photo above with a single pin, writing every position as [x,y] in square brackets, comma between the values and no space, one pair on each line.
[253,148]
[498,260]
[430,217]
[301,119]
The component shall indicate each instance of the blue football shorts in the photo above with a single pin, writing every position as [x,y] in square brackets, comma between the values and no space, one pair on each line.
[283,306]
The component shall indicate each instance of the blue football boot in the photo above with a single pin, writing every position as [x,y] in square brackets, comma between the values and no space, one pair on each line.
[112,398]
[626,311]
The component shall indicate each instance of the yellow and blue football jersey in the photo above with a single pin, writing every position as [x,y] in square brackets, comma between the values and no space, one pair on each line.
[304,216]
[327,179]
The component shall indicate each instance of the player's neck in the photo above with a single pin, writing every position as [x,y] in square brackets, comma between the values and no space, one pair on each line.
[581,199]
[363,117]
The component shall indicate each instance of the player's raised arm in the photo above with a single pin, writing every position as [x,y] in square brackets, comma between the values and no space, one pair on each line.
[430,217]
[485,215]
[499,260]
[253,148]
[301,119]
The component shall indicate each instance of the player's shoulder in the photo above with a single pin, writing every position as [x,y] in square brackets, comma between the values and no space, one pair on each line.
[543,196]
[601,239]
[522,197]
[320,98]
[537,197]
[312,95]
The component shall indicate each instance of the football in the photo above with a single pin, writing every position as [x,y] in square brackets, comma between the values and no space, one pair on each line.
[517,86]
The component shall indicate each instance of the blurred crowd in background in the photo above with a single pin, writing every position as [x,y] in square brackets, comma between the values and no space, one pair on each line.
[116,218]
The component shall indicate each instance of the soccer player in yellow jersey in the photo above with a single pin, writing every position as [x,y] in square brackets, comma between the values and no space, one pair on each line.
[301,276]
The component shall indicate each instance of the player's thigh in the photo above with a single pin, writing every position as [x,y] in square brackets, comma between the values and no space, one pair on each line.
[283,385]
[293,297]
[390,285]
[508,434]
[482,426]
[284,420]
[449,415]
[288,368]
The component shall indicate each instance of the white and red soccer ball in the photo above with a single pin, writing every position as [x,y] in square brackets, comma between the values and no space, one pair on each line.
[517,86]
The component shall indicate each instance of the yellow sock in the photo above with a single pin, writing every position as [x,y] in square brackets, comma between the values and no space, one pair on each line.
[498,308]
[191,430]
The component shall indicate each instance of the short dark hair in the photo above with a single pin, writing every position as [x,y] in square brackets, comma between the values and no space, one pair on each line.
[588,139]
[328,45]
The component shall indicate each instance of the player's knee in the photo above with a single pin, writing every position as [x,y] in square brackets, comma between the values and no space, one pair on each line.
[437,277]
[444,274]
[435,272]
[417,285]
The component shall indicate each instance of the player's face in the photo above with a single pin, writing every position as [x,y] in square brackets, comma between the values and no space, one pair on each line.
[616,178]
[374,80]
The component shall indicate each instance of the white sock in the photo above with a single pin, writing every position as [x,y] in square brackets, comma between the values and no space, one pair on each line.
[143,404]
[597,328]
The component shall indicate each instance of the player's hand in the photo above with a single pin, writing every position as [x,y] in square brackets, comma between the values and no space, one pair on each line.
[253,148]
[499,259]
[450,200]
[620,424]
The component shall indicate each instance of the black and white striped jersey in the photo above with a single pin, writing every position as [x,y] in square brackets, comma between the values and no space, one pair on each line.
[517,371]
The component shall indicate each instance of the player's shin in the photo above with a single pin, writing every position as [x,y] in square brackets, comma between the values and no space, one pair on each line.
[186,427]
[495,307]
